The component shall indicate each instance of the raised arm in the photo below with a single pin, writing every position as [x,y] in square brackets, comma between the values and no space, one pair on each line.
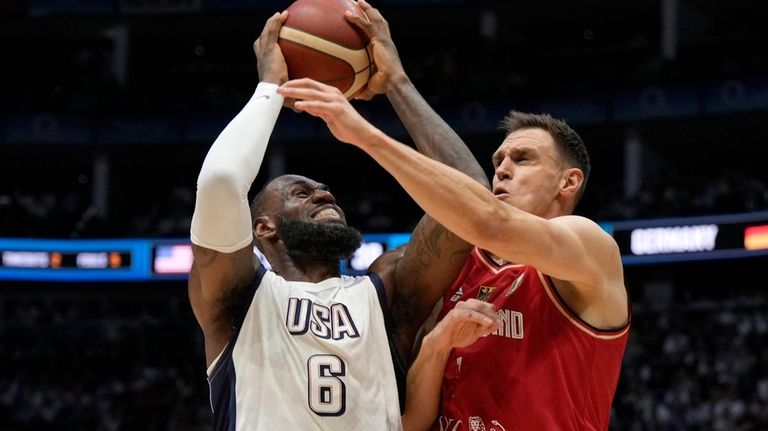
[221,231]
[433,258]
[432,135]
[570,248]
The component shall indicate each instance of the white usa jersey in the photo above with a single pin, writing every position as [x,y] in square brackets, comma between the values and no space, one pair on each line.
[307,356]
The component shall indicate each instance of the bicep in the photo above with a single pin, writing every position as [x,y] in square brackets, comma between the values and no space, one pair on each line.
[216,272]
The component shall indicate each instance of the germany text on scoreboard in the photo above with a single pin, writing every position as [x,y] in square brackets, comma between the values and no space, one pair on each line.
[691,238]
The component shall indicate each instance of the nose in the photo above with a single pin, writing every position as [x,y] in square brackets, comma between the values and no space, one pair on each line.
[321,196]
[504,170]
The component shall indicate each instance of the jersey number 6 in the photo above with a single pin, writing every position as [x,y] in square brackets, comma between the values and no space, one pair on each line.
[327,392]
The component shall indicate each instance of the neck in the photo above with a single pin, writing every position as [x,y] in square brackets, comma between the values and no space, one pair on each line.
[308,270]
[497,259]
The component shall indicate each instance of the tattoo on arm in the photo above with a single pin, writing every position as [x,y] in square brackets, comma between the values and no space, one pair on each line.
[427,248]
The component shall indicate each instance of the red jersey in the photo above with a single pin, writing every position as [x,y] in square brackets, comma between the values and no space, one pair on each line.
[544,369]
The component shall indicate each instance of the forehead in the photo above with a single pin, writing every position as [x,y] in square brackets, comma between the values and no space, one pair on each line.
[285,183]
[529,140]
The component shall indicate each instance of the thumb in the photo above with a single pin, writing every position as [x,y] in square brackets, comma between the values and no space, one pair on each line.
[364,94]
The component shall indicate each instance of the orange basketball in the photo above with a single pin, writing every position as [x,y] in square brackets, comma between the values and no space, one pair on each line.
[318,42]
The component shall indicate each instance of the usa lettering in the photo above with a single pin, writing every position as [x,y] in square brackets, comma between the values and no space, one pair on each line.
[511,324]
[323,322]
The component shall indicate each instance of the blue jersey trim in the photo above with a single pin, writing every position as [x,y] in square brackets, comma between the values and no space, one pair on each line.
[401,369]
[223,399]
[380,292]
[223,378]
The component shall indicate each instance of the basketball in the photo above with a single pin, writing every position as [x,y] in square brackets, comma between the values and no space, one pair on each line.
[318,42]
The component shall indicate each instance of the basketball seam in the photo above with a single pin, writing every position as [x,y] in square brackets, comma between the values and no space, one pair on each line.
[360,77]
[352,56]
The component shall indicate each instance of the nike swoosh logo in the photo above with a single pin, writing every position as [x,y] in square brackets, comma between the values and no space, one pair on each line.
[266,96]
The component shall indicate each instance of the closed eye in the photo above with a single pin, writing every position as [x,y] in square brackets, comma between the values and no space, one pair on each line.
[496,160]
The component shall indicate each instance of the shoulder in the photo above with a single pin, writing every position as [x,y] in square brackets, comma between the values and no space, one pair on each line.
[586,230]
[577,222]
[384,267]
[597,253]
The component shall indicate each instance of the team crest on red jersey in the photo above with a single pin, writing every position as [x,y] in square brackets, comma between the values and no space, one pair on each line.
[484,293]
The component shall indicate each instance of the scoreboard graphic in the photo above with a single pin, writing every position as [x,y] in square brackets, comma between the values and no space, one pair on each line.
[641,242]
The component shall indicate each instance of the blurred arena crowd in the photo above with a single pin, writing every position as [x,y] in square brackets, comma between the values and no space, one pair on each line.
[130,358]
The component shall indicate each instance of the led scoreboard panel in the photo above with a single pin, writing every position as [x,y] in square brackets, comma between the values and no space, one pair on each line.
[691,238]
[73,260]
[640,242]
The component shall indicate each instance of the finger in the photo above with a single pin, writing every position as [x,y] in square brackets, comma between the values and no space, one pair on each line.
[495,325]
[472,316]
[313,107]
[484,308]
[300,93]
[479,305]
[289,103]
[371,12]
[361,21]
[275,25]
[310,83]
[474,303]
[364,94]
[268,26]
[304,93]
[366,7]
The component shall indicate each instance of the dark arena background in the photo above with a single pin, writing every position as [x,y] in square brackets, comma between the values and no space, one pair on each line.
[107,108]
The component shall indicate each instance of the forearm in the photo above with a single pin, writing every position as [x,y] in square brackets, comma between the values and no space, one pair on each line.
[431,134]
[458,202]
[222,219]
[424,384]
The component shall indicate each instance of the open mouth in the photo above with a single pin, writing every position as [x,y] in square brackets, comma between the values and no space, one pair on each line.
[500,193]
[327,213]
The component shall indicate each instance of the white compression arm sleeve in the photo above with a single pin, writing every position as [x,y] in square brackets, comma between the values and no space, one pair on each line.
[222,218]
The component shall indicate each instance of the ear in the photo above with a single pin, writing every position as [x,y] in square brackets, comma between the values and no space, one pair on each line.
[264,227]
[571,181]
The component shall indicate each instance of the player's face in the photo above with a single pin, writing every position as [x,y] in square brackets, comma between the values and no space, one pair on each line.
[527,171]
[309,201]
[310,224]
